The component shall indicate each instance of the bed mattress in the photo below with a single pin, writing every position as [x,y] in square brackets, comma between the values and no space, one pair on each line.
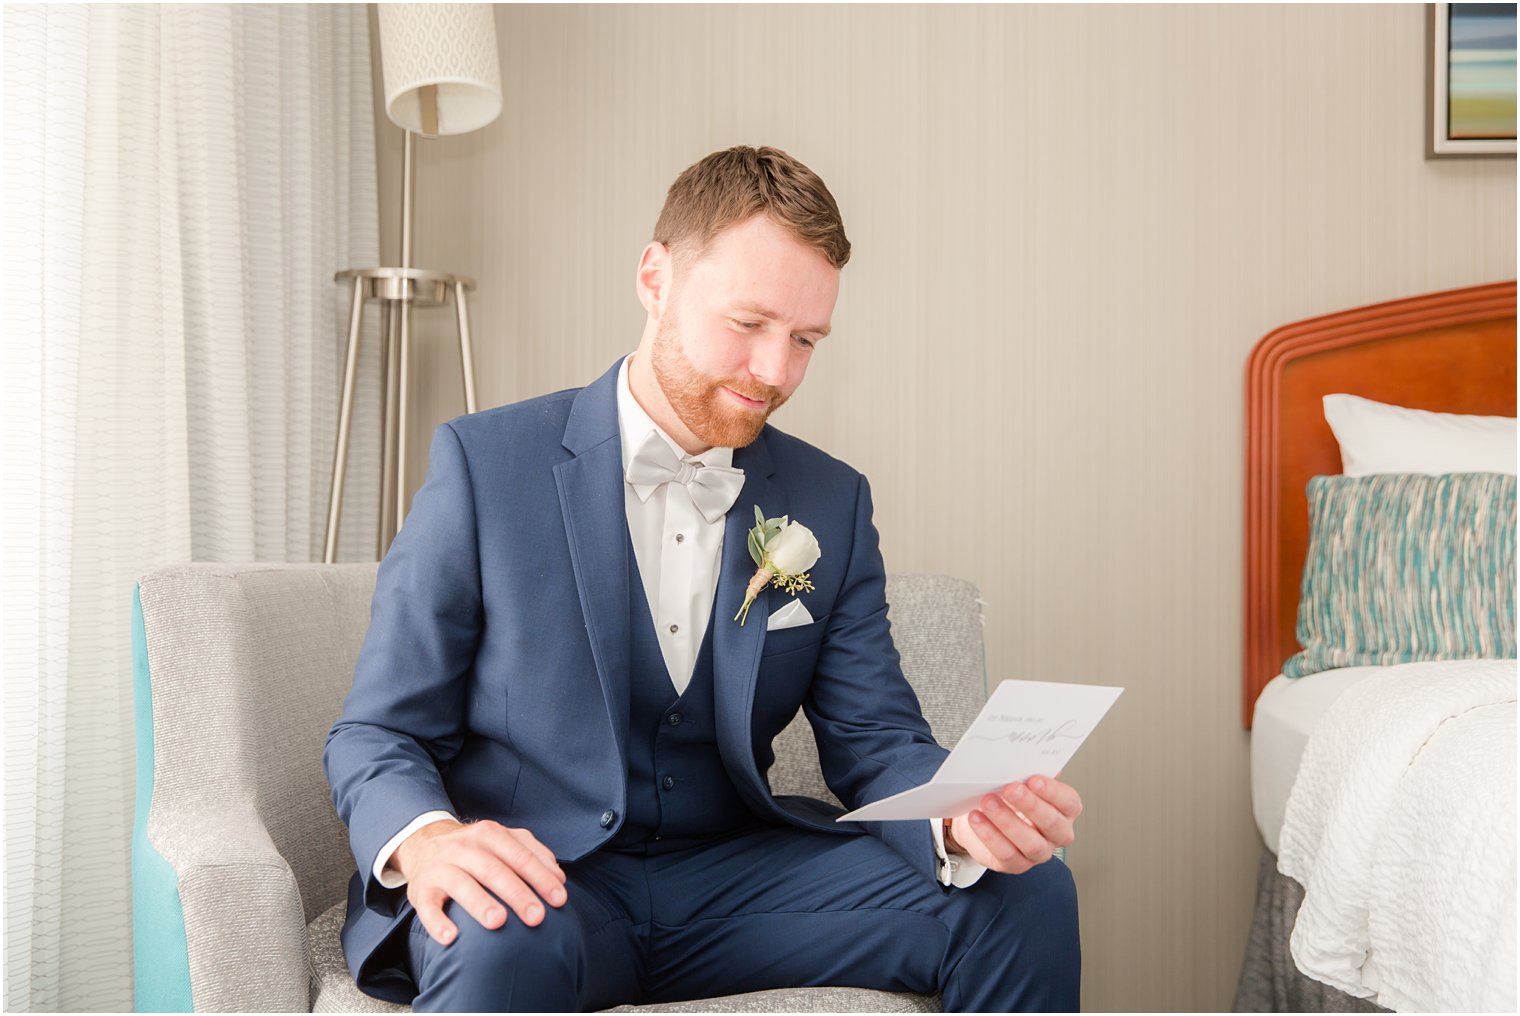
[1286,713]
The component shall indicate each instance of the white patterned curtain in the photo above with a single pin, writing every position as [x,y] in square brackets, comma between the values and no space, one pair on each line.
[181,184]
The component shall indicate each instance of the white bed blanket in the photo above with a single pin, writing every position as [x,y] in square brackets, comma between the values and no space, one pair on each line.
[1401,829]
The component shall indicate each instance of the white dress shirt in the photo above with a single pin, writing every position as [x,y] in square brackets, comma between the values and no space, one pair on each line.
[678,553]
[677,549]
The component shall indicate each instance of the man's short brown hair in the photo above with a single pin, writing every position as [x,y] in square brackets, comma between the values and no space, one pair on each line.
[728,187]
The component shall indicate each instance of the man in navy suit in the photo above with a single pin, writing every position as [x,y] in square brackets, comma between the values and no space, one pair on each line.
[552,761]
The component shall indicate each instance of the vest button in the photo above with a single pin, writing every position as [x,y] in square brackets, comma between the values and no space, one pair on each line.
[674,719]
[674,628]
[608,817]
[668,782]
[680,537]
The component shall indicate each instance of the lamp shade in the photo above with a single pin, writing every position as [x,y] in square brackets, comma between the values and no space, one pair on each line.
[452,46]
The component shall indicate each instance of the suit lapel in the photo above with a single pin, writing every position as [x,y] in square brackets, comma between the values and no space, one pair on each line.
[736,648]
[596,525]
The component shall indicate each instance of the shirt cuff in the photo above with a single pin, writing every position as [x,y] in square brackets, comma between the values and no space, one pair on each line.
[394,879]
[957,869]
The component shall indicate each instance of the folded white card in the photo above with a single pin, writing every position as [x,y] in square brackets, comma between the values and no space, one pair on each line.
[1027,728]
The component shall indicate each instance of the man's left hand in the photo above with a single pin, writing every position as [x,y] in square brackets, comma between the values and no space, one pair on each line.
[1018,827]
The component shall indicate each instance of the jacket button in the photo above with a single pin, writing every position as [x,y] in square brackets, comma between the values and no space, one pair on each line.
[668,782]
[608,817]
[674,719]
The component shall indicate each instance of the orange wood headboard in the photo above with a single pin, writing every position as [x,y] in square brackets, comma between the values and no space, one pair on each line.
[1451,352]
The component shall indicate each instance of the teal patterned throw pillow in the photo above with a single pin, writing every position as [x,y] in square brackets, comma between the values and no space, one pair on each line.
[1405,567]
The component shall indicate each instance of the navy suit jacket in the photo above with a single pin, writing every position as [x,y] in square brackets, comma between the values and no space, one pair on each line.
[494,680]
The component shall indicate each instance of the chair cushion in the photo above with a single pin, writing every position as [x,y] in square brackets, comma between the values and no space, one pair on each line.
[333,990]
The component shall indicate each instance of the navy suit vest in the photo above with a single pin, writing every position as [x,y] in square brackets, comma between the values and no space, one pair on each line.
[677,785]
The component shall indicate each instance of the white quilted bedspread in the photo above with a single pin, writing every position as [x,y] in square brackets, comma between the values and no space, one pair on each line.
[1401,829]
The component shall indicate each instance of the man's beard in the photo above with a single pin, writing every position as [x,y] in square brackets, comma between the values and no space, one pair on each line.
[713,416]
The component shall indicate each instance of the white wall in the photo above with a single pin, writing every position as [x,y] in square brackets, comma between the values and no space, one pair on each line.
[1070,226]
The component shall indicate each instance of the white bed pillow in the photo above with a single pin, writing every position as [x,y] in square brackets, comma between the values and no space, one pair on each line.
[1378,438]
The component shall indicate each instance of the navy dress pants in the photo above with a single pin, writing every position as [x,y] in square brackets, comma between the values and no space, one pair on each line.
[763,907]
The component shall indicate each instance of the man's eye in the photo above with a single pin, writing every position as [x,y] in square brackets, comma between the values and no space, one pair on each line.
[806,342]
[745,324]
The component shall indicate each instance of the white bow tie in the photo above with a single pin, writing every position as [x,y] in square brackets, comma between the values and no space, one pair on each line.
[713,488]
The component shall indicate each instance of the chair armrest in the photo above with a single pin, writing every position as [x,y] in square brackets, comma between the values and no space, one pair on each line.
[245,927]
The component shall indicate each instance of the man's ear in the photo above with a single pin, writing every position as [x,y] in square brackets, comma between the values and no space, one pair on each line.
[656,272]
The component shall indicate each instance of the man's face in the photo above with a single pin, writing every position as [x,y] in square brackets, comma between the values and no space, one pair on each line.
[739,328]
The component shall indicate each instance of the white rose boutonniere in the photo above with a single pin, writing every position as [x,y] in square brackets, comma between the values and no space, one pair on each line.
[784,551]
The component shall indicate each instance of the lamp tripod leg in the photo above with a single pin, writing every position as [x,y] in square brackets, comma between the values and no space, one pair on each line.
[388,340]
[345,417]
[466,355]
[403,382]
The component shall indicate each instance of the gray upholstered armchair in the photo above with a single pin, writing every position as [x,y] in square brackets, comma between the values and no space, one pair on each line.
[239,862]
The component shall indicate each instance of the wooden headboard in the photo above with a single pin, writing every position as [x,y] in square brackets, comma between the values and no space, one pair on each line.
[1451,352]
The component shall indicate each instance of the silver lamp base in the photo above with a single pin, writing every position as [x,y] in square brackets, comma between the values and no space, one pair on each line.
[397,290]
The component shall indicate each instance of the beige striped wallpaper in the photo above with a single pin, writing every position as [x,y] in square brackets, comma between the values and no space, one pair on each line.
[1070,226]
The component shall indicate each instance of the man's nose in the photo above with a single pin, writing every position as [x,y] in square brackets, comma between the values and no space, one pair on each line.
[768,360]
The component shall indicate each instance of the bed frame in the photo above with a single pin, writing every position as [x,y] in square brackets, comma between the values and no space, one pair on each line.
[1449,352]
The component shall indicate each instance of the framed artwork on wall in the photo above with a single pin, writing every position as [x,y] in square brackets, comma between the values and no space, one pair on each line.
[1471,80]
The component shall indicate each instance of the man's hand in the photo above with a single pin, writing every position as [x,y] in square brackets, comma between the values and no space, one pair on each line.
[450,860]
[1018,827]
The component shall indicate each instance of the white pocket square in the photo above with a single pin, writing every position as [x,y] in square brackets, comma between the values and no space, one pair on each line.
[792,615]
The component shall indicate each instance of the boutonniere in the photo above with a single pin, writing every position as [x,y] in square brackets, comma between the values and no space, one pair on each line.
[784,551]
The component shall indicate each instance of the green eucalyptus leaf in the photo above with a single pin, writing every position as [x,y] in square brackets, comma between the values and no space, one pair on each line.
[759,516]
[755,550]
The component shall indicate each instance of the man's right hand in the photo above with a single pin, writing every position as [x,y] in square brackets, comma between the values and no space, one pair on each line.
[451,860]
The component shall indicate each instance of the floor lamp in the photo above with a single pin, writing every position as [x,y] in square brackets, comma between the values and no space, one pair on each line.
[442,76]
